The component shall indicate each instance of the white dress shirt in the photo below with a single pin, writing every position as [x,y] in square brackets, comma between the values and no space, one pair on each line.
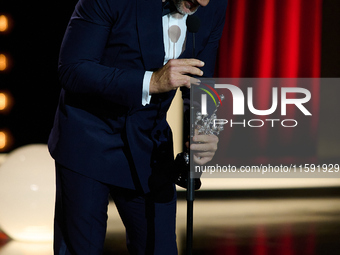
[174,37]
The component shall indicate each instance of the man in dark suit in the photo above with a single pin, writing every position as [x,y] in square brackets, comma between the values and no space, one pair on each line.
[110,134]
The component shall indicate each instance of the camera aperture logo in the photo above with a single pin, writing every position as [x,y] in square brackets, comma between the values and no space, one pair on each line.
[238,105]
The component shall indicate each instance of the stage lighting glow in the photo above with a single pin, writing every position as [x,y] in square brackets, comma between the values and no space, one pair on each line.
[27,191]
[6,140]
[3,101]
[6,101]
[3,23]
[3,139]
[3,62]
[25,248]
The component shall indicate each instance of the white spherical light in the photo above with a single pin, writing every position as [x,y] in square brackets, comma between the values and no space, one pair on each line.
[27,194]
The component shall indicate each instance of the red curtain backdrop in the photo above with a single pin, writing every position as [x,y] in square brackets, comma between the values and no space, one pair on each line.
[278,39]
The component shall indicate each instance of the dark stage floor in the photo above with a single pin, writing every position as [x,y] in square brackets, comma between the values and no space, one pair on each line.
[291,222]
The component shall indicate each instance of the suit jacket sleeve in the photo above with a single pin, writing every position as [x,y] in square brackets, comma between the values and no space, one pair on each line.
[80,69]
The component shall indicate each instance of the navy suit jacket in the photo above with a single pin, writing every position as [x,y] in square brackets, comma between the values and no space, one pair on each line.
[101,129]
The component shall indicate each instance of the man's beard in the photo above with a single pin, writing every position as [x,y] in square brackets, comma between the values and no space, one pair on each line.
[179,5]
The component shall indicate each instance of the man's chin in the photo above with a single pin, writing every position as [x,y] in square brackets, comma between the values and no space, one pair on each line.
[185,11]
[187,7]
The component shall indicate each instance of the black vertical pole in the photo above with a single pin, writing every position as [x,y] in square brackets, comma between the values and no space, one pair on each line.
[190,214]
[190,187]
[193,24]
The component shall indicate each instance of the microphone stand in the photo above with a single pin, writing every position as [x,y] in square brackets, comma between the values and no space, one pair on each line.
[190,189]
[193,24]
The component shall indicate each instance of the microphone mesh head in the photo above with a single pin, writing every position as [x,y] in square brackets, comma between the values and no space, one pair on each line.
[193,24]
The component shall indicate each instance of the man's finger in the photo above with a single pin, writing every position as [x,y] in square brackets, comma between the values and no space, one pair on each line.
[205,138]
[195,81]
[201,160]
[181,81]
[190,70]
[186,62]
[203,147]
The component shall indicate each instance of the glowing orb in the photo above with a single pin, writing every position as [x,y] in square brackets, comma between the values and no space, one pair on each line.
[27,193]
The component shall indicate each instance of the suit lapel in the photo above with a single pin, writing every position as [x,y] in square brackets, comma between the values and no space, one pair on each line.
[150,32]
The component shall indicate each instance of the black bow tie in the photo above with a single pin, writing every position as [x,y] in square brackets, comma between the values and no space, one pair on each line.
[168,7]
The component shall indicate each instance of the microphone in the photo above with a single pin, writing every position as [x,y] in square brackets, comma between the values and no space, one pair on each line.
[193,25]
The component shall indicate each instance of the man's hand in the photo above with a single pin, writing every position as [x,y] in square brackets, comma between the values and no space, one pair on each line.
[204,148]
[176,73]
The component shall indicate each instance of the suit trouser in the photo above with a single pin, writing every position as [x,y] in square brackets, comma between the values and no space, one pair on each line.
[81,217]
